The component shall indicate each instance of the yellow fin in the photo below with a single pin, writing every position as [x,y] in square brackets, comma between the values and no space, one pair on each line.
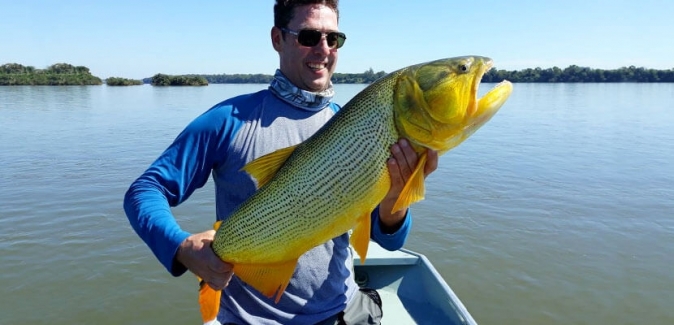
[209,302]
[264,168]
[217,224]
[360,238]
[268,279]
[414,188]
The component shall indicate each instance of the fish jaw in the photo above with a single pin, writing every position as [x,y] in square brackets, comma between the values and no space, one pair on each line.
[488,105]
[436,104]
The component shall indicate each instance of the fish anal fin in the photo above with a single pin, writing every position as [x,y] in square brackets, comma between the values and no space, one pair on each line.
[264,168]
[414,188]
[209,302]
[268,279]
[360,238]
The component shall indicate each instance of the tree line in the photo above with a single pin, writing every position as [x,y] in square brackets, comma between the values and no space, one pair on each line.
[66,74]
[570,74]
[575,73]
[368,76]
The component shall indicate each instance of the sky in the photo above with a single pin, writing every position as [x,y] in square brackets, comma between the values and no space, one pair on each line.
[138,39]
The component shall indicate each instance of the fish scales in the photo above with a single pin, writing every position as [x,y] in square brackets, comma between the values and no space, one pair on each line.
[318,183]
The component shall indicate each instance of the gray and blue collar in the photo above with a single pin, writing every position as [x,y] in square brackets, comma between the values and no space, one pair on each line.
[289,93]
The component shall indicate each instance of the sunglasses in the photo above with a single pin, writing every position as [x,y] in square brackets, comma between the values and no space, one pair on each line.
[311,37]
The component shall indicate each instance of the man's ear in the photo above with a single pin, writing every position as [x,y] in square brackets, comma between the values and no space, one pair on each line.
[276,38]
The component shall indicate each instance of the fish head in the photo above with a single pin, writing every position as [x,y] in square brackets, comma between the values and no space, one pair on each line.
[436,104]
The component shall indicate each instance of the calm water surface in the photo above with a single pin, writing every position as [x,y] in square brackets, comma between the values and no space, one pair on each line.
[559,211]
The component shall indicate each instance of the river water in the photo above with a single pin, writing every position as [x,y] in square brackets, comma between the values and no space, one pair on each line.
[560,210]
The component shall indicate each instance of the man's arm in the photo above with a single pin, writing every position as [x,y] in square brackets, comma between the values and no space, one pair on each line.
[182,168]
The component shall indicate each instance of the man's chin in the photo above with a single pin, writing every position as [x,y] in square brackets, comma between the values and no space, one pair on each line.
[318,85]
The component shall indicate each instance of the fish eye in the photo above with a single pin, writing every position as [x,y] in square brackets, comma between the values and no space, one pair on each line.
[463,67]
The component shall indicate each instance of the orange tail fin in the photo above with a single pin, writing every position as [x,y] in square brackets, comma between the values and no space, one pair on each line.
[209,299]
[209,302]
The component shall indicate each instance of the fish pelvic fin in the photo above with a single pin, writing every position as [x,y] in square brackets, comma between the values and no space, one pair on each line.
[414,188]
[209,302]
[209,299]
[360,238]
[264,168]
[268,279]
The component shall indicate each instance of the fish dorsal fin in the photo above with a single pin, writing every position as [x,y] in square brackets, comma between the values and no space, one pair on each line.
[268,279]
[264,168]
[414,188]
[360,238]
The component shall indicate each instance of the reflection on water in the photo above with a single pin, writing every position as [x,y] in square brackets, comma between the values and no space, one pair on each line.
[558,211]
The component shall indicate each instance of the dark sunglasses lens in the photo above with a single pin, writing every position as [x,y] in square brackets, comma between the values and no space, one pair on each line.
[308,37]
[335,40]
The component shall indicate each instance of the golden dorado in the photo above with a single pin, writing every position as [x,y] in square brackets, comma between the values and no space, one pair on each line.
[330,184]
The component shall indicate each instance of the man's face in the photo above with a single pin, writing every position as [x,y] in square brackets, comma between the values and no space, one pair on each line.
[309,68]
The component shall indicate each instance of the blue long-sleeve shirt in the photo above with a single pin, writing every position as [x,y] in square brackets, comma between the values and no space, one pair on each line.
[219,143]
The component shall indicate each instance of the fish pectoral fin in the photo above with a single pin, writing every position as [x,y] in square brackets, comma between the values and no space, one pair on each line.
[414,188]
[264,168]
[360,238]
[268,279]
[209,302]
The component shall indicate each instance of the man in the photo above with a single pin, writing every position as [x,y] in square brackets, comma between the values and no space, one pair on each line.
[235,132]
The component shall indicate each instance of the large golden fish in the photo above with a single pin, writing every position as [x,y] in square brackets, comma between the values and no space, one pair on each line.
[329,184]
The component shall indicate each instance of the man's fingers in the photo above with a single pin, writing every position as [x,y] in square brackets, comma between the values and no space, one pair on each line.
[196,254]
[405,160]
[221,281]
[394,172]
[431,162]
[409,156]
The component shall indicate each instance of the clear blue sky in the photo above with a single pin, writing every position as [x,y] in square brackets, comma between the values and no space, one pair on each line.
[136,39]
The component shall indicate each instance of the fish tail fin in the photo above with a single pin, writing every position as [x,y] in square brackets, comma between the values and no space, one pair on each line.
[209,299]
[414,188]
[209,302]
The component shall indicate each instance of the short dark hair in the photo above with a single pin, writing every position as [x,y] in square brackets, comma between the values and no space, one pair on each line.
[285,9]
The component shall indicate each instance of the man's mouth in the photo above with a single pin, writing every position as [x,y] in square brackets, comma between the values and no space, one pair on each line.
[316,66]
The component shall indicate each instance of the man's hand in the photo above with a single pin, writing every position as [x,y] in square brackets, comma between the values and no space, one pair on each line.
[400,167]
[196,254]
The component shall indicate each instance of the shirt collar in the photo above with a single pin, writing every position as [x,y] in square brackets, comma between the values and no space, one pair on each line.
[291,94]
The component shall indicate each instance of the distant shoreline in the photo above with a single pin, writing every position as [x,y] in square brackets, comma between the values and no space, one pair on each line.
[64,74]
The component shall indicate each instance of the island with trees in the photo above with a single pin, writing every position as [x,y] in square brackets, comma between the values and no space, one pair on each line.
[117,81]
[182,80]
[59,74]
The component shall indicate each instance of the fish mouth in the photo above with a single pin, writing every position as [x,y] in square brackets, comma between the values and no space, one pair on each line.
[490,102]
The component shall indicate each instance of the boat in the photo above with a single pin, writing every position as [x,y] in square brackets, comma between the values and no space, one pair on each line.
[412,291]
